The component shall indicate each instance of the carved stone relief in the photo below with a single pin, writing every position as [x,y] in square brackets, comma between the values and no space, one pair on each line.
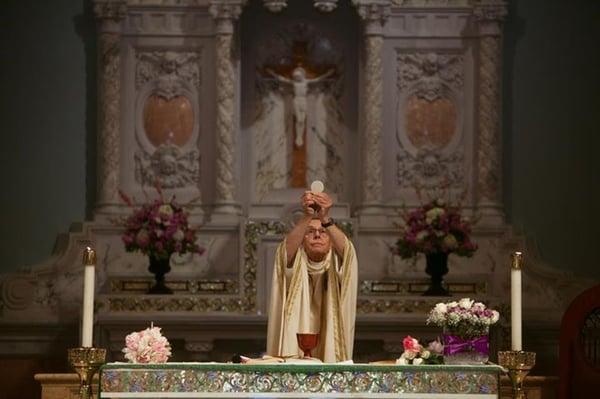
[168,165]
[171,70]
[429,124]
[167,112]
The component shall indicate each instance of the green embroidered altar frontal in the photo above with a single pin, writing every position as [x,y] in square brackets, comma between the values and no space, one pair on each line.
[220,380]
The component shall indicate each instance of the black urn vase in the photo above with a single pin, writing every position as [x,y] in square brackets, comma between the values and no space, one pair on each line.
[159,267]
[437,267]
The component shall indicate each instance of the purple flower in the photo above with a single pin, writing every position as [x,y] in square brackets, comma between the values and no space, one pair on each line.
[158,228]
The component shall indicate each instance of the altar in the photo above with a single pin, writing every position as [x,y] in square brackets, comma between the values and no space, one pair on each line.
[226,380]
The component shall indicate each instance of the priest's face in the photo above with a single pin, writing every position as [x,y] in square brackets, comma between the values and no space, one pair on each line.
[316,241]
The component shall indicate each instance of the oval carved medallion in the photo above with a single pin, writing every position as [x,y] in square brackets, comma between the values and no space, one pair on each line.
[430,124]
[168,120]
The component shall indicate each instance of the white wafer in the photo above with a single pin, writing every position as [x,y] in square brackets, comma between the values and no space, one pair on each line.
[317,186]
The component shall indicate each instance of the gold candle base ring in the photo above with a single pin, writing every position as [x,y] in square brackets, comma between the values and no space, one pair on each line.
[86,362]
[517,364]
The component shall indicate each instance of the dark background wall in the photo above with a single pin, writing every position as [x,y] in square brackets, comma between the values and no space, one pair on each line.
[47,115]
[550,126]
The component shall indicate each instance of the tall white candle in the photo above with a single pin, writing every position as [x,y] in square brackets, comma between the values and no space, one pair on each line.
[87,329]
[515,302]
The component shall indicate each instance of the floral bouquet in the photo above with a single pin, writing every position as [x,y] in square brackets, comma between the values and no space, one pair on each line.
[414,353]
[159,229]
[147,346]
[435,228]
[466,325]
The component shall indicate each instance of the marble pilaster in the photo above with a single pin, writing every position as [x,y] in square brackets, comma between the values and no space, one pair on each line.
[374,15]
[225,13]
[109,15]
[489,15]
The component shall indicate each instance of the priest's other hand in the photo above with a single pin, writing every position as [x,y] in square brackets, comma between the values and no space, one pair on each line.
[308,203]
[324,201]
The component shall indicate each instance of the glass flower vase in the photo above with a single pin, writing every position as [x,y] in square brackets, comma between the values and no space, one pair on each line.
[466,349]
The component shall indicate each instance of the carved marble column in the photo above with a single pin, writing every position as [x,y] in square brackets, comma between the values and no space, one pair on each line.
[374,15]
[109,15]
[489,15]
[225,13]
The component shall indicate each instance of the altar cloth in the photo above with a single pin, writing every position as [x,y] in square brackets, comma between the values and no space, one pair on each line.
[225,380]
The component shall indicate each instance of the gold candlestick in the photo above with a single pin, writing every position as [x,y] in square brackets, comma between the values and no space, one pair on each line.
[86,362]
[518,365]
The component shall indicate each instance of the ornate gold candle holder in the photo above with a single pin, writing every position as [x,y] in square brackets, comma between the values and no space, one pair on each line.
[518,364]
[86,362]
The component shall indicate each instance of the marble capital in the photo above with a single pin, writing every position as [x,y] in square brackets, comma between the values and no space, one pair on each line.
[225,12]
[374,14]
[489,15]
[110,14]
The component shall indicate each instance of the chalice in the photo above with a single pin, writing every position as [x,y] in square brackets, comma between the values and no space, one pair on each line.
[307,342]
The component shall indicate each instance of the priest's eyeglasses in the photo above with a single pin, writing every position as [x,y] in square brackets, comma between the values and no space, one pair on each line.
[313,232]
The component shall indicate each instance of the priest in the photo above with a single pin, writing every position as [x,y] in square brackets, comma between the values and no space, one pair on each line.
[314,286]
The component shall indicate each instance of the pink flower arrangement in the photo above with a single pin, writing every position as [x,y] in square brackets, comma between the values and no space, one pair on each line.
[147,346]
[414,353]
[159,229]
[434,228]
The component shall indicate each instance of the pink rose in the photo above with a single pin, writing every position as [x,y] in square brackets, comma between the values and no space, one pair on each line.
[411,345]
[142,238]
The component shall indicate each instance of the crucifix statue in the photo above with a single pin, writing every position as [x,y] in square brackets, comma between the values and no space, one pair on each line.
[299,76]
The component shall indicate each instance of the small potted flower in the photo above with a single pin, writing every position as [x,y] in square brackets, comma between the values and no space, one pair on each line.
[466,326]
[158,229]
[436,230]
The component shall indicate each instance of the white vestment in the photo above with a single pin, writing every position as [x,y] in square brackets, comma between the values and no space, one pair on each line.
[314,297]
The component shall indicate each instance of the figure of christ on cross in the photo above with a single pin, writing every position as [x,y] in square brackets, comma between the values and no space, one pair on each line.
[299,77]
[299,83]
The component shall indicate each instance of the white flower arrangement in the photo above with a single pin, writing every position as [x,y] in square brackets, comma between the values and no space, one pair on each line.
[147,346]
[465,318]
